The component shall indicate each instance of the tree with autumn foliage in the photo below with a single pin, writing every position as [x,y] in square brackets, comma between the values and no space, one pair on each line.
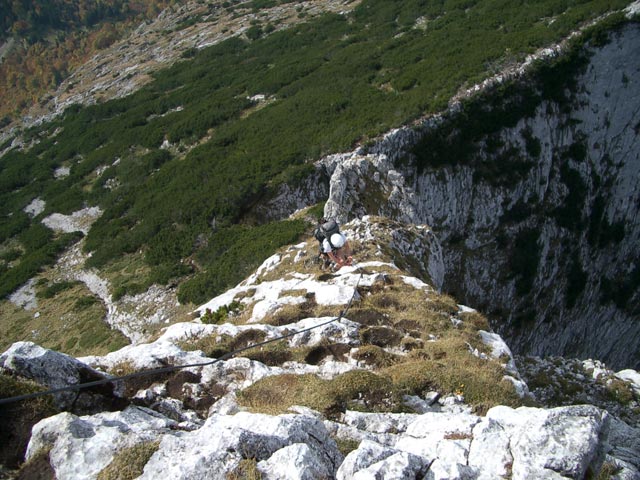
[52,37]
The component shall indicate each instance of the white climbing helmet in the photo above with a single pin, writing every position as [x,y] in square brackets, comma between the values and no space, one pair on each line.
[337,240]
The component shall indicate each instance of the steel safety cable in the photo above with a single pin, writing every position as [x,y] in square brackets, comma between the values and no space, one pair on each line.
[172,368]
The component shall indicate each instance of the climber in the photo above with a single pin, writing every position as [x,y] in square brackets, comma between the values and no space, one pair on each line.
[333,244]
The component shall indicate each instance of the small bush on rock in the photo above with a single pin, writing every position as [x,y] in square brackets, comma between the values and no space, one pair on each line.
[221,314]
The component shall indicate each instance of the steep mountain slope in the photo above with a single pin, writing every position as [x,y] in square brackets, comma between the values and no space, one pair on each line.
[177,33]
[402,383]
[181,180]
[181,168]
[42,41]
[533,190]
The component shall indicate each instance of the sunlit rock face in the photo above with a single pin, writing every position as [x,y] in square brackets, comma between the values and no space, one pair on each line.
[534,195]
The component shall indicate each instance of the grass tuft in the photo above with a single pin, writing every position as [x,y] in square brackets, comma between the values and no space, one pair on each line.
[129,462]
[247,469]
[354,390]
[18,418]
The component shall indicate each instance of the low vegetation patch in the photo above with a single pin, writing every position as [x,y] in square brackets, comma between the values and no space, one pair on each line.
[16,419]
[68,318]
[272,354]
[475,319]
[314,355]
[247,469]
[129,462]
[355,390]
[479,381]
[289,313]
[619,391]
[132,385]
[38,467]
[413,311]
[222,314]
[376,357]
[347,445]
[380,336]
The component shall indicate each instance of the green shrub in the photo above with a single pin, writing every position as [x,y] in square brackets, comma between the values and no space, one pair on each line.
[55,288]
[10,255]
[272,354]
[254,32]
[221,314]
[34,260]
[85,302]
[233,253]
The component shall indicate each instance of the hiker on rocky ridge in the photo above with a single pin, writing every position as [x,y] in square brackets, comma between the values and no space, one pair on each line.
[333,244]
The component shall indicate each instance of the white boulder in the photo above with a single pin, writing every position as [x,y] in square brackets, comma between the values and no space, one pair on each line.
[80,447]
[223,441]
[295,462]
[368,454]
[562,442]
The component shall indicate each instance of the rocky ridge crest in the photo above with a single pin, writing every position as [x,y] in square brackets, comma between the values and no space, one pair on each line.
[359,397]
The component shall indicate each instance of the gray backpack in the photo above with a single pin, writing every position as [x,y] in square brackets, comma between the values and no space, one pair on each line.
[326,230]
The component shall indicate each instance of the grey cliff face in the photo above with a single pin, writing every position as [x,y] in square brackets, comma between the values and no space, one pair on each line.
[539,216]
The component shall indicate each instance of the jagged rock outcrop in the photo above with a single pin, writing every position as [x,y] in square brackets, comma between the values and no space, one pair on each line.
[537,215]
[56,370]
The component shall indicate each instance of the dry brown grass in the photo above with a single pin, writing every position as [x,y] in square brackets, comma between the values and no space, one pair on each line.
[71,322]
[215,345]
[376,357]
[129,463]
[294,293]
[380,336]
[368,316]
[479,381]
[408,344]
[250,292]
[272,354]
[477,320]
[275,394]
[211,345]
[247,469]
[292,313]
[357,389]
[18,418]
[132,385]
[442,303]
[37,468]
[247,338]
[315,354]
[428,313]
[287,314]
